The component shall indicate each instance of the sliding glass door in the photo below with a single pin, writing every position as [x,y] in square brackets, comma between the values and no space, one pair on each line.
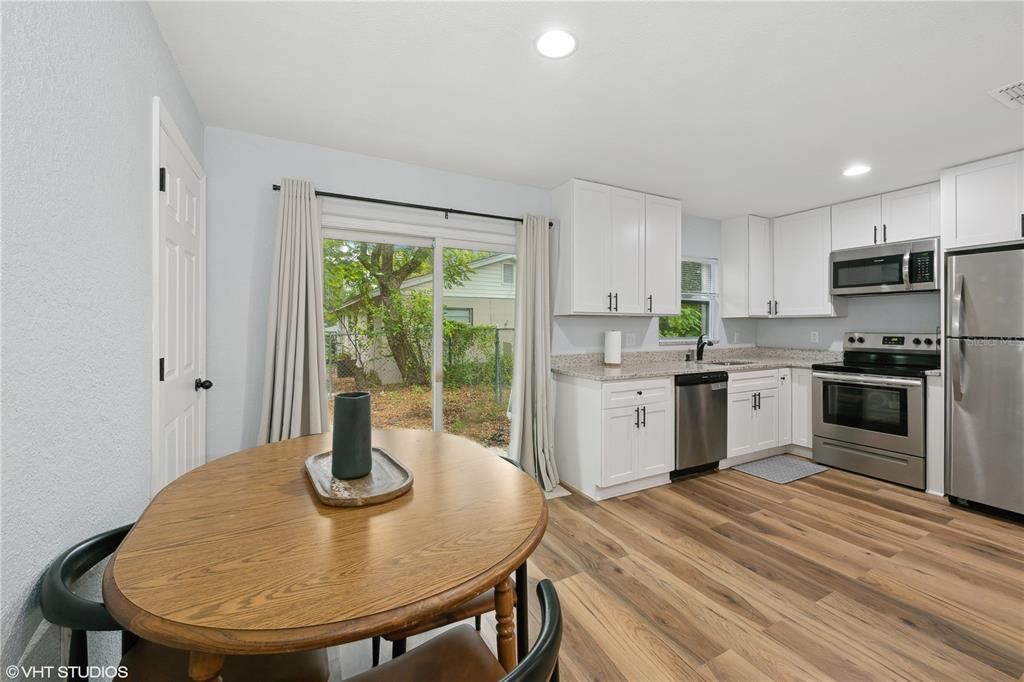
[426,328]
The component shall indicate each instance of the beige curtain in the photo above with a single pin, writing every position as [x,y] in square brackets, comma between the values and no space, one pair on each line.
[295,379]
[532,435]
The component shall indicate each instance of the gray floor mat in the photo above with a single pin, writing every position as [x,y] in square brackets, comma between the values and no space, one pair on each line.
[781,468]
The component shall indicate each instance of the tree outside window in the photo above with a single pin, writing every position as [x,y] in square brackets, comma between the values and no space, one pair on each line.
[697,295]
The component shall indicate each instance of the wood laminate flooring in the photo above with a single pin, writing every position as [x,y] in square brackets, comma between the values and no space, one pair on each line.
[833,577]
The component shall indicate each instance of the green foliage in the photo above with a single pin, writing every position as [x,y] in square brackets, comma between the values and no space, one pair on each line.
[363,297]
[689,323]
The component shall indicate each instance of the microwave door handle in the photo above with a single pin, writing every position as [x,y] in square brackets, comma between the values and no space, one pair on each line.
[906,268]
[957,314]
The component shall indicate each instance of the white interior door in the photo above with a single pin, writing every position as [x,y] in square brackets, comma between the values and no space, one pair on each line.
[180,306]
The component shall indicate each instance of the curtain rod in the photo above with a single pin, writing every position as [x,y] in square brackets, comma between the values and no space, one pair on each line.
[424,207]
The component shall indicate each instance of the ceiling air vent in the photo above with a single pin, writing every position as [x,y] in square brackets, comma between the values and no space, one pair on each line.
[1011,95]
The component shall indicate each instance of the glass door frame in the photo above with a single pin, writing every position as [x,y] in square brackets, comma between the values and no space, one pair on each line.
[419,236]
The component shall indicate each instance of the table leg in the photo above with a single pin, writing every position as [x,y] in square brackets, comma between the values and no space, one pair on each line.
[522,612]
[503,604]
[204,667]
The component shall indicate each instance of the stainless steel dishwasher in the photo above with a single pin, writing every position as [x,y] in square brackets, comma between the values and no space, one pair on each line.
[701,426]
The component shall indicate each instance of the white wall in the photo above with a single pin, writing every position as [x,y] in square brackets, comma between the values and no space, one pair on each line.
[701,238]
[892,312]
[78,79]
[241,215]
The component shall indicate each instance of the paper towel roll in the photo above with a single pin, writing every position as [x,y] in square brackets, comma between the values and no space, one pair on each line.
[613,348]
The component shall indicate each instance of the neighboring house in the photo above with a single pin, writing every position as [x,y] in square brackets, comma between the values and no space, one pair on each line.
[486,297]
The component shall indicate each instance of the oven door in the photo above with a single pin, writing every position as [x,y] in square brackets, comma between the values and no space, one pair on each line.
[880,412]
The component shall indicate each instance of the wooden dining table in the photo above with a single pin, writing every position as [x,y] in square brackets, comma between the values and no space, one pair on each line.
[238,556]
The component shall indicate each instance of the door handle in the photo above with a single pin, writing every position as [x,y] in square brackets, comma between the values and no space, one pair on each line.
[204,384]
[616,301]
[957,313]
[636,411]
[906,267]
[776,307]
[876,234]
[956,367]
[609,300]
[769,307]
[643,411]
[885,230]
[650,303]
[759,400]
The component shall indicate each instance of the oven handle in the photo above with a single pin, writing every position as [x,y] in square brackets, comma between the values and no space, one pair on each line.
[867,379]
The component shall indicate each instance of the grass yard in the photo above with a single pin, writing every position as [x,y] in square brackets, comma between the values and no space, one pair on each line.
[469,411]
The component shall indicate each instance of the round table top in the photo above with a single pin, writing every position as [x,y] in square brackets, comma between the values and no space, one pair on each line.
[239,556]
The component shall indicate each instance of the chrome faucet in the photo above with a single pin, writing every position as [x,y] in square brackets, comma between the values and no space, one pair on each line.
[701,343]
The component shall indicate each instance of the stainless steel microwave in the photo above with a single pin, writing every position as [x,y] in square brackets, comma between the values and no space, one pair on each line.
[895,268]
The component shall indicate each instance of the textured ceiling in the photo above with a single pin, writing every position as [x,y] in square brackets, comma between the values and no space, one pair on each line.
[733,107]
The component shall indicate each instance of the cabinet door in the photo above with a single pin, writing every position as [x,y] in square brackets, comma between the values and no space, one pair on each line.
[857,223]
[801,243]
[662,233]
[908,214]
[982,202]
[591,235]
[801,412]
[766,420]
[740,438]
[759,254]
[733,268]
[785,407]
[618,461]
[656,440]
[626,259]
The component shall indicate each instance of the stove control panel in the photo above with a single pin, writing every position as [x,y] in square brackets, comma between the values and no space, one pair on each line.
[885,341]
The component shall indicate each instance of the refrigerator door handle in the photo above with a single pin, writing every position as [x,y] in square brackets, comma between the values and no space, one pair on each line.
[957,313]
[956,367]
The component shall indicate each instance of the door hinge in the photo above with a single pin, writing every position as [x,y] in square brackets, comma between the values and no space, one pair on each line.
[163,179]
[161,369]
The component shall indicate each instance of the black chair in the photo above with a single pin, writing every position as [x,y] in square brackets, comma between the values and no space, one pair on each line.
[473,608]
[460,654]
[146,660]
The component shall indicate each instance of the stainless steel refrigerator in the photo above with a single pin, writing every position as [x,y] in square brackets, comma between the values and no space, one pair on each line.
[985,377]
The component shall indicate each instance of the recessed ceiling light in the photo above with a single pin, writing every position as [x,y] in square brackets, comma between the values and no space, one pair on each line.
[556,44]
[856,169]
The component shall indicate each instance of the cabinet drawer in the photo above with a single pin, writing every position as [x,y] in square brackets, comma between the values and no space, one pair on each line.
[758,380]
[639,392]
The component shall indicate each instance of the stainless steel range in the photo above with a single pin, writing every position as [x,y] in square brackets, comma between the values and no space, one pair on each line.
[869,410]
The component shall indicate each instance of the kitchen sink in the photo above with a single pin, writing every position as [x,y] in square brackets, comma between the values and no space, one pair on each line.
[728,363]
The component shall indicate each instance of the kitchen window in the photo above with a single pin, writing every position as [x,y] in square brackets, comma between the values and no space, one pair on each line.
[698,302]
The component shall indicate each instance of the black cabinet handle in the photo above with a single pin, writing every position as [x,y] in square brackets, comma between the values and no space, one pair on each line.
[884,231]
[769,307]
[776,307]
[616,301]
[876,234]
[644,412]
[650,303]
[1022,225]
[636,411]
[204,384]
[609,300]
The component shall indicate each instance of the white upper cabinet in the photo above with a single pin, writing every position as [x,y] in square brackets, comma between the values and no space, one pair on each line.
[908,214]
[626,260]
[661,255]
[615,251]
[801,245]
[904,215]
[983,202]
[759,284]
[857,223]
[746,267]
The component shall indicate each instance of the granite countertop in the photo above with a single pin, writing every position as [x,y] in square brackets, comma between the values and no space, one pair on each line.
[651,364]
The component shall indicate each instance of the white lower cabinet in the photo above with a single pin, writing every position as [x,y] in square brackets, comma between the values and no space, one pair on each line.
[785,406]
[753,414]
[634,447]
[801,407]
[740,439]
